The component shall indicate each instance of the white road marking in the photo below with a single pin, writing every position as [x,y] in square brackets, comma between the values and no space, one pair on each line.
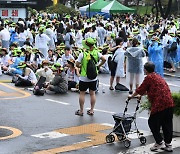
[51,100]
[50,135]
[104,111]
[107,124]
[170,84]
[146,148]
[107,85]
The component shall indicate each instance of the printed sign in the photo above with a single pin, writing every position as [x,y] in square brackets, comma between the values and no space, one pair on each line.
[13,12]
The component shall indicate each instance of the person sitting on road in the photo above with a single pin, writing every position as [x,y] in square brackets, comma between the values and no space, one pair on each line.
[45,71]
[72,74]
[59,83]
[4,59]
[28,78]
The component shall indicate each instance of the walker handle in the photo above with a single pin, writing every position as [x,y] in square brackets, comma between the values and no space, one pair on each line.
[126,108]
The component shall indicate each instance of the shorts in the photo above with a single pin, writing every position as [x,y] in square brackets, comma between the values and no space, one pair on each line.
[113,70]
[83,86]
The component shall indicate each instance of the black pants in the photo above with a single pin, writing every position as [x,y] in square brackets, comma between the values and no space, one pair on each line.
[162,119]
[71,84]
[23,83]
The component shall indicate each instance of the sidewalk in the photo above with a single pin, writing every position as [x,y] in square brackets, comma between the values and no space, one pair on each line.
[175,74]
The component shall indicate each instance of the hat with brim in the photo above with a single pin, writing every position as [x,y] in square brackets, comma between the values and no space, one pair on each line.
[178,33]
[105,46]
[71,61]
[88,43]
[28,49]
[172,34]
[22,65]
[18,51]
[67,16]
[56,67]
[5,50]
[141,25]
[156,39]
[42,29]
[135,31]
[151,32]
[45,62]
[35,50]
[113,35]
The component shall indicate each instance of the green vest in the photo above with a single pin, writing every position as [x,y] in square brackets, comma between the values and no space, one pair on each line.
[86,58]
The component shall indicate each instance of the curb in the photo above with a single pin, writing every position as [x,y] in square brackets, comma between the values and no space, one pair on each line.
[171,75]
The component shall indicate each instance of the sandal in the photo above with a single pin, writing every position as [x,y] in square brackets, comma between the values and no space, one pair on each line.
[78,112]
[90,113]
[172,71]
[111,88]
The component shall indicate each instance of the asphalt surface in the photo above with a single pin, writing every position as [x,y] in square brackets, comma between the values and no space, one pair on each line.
[47,124]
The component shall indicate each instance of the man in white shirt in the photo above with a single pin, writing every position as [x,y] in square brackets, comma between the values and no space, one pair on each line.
[4,37]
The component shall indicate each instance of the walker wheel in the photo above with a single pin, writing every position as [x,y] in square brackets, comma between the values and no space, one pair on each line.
[143,140]
[127,143]
[120,137]
[110,138]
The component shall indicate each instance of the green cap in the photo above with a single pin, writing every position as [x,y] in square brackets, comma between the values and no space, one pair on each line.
[88,42]
[21,65]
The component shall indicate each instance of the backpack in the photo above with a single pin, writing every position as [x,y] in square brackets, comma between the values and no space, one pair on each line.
[71,40]
[39,92]
[121,87]
[38,89]
[173,47]
[111,63]
[91,68]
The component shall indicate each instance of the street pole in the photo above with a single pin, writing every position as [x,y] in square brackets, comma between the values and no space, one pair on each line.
[89,7]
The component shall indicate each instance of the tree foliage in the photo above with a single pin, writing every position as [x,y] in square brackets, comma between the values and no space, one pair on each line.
[61,9]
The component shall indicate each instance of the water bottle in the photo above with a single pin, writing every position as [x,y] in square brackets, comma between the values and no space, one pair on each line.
[103,89]
[0,70]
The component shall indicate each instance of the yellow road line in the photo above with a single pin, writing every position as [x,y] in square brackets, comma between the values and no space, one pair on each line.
[16,133]
[5,81]
[24,94]
[96,138]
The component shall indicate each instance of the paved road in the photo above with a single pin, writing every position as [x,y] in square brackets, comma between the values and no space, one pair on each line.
[47,124]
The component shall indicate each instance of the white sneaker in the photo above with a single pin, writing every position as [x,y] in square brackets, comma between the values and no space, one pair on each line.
[168,148]
[156,146]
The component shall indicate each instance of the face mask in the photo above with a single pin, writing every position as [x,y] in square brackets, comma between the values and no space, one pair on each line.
[45,66]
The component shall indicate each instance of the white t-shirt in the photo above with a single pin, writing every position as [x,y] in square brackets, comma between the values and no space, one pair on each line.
[65,58]
[83,78]
[4,35]
[41,41]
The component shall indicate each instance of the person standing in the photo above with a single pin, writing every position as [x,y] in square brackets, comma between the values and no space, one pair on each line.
[159,95]
[118,57]
[155,52]
[41,41]
[86,83]
[4,37]
[134,56]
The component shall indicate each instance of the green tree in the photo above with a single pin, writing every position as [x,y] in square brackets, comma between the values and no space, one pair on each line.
[61,9]
[161,6]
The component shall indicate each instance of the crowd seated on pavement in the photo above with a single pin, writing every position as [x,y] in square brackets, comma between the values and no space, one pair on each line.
[49,46]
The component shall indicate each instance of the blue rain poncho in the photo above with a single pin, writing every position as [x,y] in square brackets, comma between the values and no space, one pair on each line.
[156,56]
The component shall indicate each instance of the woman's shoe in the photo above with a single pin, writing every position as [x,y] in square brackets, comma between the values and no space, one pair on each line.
[130,92]
[111,88]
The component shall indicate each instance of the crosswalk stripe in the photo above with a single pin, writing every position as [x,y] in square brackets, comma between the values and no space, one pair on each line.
[146,148]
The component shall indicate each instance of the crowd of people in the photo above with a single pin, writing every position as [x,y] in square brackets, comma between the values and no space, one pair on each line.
[60,49]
